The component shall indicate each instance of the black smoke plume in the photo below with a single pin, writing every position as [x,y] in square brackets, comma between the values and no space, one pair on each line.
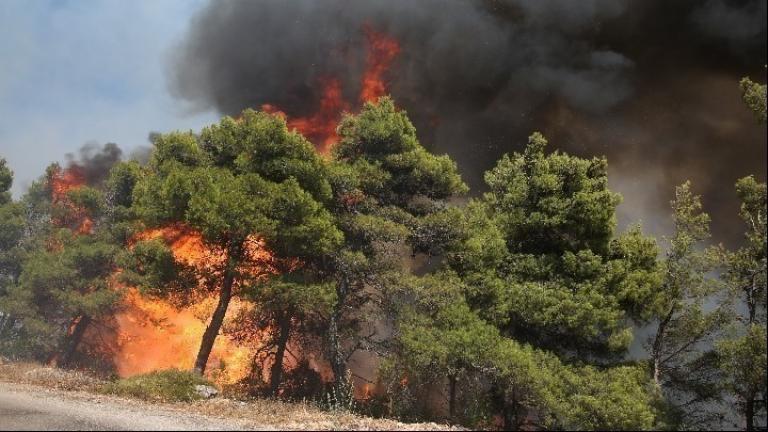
[653,85]
[93,162]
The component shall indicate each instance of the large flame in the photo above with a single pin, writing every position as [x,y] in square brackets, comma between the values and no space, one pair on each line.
[382,51]
[320,128]
[61,182]
[155,334]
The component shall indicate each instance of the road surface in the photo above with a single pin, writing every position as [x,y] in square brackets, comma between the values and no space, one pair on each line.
[24,407]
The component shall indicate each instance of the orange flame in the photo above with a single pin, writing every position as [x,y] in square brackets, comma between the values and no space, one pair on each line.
[382,51]
[320,128]
[367,391]
[154,334]
[61,182]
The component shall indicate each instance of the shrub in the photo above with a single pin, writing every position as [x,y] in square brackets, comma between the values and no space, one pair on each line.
[165,385]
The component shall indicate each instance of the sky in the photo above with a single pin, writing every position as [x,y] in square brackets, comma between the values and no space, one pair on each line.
[87,72]
[650,84]
[653,85]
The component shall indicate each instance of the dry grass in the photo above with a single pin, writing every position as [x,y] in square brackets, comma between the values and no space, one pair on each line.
[257,413]
[46,376]
[300,416]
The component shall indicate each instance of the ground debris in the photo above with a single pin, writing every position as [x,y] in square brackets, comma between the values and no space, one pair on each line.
[206,391]
[85,389]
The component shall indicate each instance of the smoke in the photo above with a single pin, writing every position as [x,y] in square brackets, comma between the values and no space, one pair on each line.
[652,85]
[736,22]
[93,162]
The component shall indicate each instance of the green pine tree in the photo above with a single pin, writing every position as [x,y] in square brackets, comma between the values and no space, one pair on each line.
[238,181]
[743,356]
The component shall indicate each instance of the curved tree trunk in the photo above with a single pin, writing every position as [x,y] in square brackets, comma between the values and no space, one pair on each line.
[284,329]
[209,336]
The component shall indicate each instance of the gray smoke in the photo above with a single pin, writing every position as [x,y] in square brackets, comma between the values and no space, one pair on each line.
[94,161]
[652,85]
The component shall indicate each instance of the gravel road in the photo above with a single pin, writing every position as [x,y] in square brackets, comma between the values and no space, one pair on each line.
[24,407]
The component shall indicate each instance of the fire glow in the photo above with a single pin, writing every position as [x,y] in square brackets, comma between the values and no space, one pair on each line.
[155,333]
[61,183]
[320,128]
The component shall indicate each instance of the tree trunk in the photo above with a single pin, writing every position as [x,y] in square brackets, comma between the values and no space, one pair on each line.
[284,329]
[503,408]
[658,345]
[71,342]
[749,412]
[749,406]
[510,417]
[6,324]
[452,398]
[752,300]
[337,358]
[209,337]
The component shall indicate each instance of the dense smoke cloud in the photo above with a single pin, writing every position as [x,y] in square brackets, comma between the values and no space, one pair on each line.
[93,161]
[653,85]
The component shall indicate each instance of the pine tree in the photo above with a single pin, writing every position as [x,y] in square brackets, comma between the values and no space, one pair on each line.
[545,267]
[388,192]
[12,227]
[682,362]
[532,309]
[64,278]
[239,182]
[743,357]
[754,96]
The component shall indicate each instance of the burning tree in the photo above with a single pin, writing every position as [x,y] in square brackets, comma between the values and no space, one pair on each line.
[290,309]
[69,254]
[247,186]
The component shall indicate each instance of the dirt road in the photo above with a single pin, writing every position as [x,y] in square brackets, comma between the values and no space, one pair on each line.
[24,407]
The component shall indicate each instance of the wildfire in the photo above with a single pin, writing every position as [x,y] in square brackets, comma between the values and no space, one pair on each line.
[61,182]
[154,334]
[320,128]
[382,51]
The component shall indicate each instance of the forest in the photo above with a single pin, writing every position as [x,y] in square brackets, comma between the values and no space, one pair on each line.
[369,275]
